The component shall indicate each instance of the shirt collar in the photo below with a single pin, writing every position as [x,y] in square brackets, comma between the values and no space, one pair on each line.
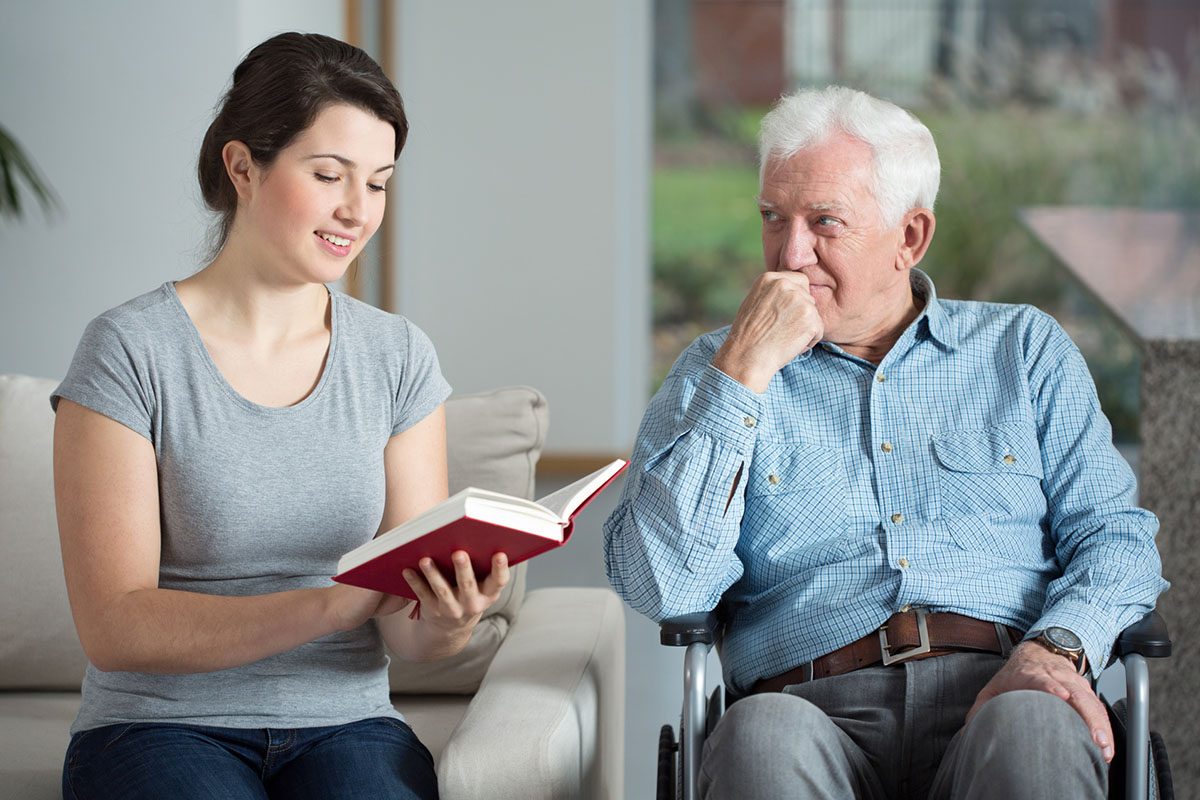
[933,322]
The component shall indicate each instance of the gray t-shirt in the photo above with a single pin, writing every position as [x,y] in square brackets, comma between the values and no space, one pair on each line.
[256,499]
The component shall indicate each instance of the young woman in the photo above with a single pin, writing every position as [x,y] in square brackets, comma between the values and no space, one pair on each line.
[221,441]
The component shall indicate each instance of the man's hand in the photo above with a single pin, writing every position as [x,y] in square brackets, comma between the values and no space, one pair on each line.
[776,322]
[1032,666]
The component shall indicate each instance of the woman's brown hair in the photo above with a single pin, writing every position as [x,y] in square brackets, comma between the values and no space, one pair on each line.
[278,90]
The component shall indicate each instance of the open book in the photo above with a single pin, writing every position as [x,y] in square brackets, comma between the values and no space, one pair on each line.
[478,521]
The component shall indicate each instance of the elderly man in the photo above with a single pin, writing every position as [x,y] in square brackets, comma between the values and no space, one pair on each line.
[908,510]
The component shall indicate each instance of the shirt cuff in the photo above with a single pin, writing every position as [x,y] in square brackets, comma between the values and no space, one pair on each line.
[724,408]
[1084,622]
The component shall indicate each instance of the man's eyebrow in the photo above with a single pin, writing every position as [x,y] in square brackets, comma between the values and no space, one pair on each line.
[345,162]
[841,209]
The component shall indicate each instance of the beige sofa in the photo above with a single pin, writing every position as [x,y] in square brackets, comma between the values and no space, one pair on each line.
[533,708]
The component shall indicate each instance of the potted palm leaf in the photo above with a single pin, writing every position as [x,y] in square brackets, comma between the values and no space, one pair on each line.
[17,168]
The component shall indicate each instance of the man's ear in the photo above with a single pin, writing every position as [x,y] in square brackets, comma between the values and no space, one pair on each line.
[239,166]
[917,229]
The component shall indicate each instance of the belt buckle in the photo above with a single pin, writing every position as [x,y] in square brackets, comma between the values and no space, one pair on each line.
[920,649]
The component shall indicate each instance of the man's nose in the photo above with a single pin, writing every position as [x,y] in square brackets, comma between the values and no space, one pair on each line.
[799,248]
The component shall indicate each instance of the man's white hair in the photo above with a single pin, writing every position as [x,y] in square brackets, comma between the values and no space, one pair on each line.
[905,163]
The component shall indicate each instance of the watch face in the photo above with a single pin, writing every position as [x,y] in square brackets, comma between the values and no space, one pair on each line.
[1061,637]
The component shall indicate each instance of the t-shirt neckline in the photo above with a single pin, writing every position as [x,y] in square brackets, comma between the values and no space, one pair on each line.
[216,374]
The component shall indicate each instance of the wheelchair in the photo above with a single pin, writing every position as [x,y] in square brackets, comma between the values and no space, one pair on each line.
[1138,770]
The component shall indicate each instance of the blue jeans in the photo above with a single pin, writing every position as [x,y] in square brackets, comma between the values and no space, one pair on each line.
[378,757]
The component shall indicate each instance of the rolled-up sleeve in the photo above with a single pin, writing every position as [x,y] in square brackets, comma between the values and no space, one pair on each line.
[669,544]
[1111,570]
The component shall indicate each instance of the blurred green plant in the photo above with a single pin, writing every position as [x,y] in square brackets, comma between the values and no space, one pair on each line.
[996,161]
[17,168]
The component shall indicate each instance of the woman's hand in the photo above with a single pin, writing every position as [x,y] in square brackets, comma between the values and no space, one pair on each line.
[456,609]
[351,606]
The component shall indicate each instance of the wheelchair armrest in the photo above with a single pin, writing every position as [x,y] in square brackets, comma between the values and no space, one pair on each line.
[1147,637]
[688,629]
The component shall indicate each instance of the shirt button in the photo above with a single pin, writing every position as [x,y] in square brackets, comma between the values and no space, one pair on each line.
[897,518]
[879,376]
[749,422]
[906,607]
[903,562]
[886,447]
[1008,459]
[773,478]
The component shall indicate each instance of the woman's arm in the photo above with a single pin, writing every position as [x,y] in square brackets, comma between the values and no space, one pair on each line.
[106,492]
[415,466]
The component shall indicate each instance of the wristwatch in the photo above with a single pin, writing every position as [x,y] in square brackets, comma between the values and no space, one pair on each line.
[1065,643]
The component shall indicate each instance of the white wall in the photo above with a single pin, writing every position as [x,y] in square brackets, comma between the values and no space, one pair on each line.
[258,20]
[111,100]
[522,226]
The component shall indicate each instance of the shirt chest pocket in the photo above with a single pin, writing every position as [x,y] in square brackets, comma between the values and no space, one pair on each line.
[992,472]
[796,506]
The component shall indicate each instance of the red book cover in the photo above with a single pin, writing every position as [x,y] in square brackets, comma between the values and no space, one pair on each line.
[481,523]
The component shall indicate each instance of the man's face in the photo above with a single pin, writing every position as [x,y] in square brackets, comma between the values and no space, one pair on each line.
[820,218]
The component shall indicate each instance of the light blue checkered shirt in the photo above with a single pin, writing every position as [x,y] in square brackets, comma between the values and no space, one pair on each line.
[971,471]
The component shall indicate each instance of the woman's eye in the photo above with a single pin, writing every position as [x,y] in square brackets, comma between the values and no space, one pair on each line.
[376,187]
[325,178]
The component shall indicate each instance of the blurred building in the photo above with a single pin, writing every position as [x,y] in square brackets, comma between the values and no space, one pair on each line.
[718,53]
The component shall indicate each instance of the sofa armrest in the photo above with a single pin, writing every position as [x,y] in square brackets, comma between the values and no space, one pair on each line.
[548,720]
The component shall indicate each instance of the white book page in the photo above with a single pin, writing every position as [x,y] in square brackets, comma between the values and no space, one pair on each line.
[563,502]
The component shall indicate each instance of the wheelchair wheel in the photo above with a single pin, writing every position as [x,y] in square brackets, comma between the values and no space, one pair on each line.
[1161,768]
[667,756]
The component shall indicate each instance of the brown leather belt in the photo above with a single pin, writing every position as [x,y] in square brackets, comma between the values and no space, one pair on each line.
[907,635]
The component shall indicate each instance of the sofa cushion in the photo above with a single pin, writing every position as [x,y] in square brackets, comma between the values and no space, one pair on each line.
[38,645]
[493,441]
[433,717]
[34,733]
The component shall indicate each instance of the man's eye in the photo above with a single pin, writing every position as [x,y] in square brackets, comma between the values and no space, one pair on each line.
[768,215]
[828,221]
[324,178]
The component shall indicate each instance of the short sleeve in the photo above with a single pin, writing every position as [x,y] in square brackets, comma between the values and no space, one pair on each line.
[107,376]
[422,387]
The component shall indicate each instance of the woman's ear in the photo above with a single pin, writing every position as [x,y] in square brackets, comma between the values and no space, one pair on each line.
[239,166]
[917,228]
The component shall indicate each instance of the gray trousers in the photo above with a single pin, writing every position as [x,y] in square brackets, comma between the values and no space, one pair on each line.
[897,732]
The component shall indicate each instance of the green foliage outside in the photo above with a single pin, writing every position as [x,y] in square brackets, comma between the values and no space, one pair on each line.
[995,161]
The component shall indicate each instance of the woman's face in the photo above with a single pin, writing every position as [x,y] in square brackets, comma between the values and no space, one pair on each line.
[314,209]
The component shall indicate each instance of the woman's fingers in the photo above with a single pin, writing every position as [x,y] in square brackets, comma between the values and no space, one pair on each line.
[464,573]
[446,596]
[467,597]
[497,579]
